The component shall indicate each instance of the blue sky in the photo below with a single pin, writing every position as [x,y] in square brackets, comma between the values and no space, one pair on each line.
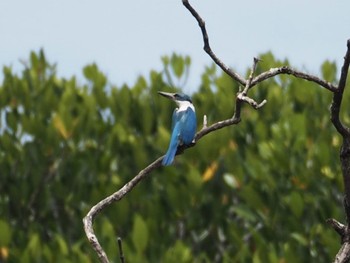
[128,38]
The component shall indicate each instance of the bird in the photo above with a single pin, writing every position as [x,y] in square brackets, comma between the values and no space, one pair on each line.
[184,124]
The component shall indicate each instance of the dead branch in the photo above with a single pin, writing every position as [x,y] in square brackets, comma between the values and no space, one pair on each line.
[207,47]
[298,74]
[344,253]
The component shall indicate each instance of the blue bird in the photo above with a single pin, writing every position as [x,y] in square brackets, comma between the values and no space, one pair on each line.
[184,124]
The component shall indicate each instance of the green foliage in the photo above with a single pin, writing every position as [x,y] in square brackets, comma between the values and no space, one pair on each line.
[256,192]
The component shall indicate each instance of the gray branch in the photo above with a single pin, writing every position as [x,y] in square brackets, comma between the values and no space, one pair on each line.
[207,47]
[298,74]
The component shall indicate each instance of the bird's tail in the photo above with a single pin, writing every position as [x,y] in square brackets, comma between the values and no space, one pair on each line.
[170,154]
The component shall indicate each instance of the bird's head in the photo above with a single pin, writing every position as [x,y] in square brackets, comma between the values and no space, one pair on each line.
[179,98]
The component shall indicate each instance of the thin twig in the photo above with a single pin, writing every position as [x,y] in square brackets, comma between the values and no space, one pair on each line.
[121,253]
[205,121]
[337,226]
[250,101]
[252,72]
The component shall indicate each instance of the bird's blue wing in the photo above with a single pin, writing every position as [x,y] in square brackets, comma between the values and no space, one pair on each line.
[188,125]
[174,119]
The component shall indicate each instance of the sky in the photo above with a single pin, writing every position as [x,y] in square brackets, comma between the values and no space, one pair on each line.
[128,38]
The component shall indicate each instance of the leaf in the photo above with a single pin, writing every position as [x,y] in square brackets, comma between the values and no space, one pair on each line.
[244,213]
[139,234]
[59,125]
[210,171]
[256,257]
[300,238]
[34,246]
[295,203]
[12,120]
[231,181]
[4,253]
[165,60]
[178,253]
[62,245]
[6,233]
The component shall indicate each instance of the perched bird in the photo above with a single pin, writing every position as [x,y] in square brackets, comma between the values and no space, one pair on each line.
[184,124]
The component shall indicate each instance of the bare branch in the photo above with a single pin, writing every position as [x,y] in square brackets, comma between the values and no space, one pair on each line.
[96,209]
[337,226]
[345,69]
[343,130]
[252,72]
[205,121]
[263,76]
[216,126]
[343,255]
[338,96]
[242,96]
[121,253]
[289,71]
[207,47]
[250,101]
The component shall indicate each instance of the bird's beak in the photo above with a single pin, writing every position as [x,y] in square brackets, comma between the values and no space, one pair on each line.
[167,95]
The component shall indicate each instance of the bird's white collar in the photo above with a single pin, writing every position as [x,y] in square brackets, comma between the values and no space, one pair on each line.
[183,105]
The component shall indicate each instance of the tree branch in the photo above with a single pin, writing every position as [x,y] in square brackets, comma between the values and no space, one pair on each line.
[344,253]
[250,79]
[96,209]
[338,96]
[343,130]
[121,253]
[298,74]
[207,47]
[337,226]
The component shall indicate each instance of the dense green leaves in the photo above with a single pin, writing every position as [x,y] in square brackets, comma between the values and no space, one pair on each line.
[256,192]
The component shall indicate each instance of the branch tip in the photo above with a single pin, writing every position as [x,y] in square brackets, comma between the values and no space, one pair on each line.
[262,104]
[205,121]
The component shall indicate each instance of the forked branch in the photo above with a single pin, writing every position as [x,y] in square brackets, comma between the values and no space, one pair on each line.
[263,76]
[242,96]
